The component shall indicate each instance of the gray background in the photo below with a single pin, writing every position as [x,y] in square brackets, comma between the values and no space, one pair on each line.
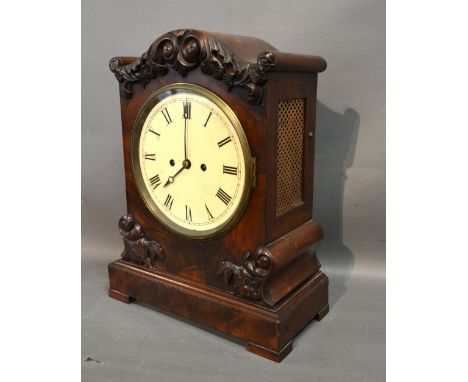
[136,343]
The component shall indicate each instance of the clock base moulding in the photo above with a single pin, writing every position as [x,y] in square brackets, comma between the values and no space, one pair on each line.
[267,332]
[261,306]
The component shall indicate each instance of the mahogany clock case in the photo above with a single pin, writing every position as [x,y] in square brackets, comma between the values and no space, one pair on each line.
[261,281]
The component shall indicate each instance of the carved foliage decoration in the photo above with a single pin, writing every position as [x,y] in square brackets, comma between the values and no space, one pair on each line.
[248,280]
[138,249]
[184,50]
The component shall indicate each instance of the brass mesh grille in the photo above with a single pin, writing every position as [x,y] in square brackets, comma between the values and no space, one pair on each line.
[289,167]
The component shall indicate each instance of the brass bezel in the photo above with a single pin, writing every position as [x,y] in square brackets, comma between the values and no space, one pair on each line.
[150,103]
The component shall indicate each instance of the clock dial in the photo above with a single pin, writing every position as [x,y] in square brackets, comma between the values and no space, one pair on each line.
[191,161]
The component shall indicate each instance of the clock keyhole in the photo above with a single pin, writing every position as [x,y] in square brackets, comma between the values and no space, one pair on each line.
[203,167]
[172,162]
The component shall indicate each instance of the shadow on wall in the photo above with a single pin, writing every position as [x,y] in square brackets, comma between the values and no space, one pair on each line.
[336,136]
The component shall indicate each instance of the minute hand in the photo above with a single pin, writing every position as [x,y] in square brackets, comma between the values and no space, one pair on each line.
[186,118]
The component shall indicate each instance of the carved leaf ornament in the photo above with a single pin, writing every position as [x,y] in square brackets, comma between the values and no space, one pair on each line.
[184,50]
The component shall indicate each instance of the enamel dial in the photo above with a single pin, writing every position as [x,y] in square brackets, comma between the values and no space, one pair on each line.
[191,161]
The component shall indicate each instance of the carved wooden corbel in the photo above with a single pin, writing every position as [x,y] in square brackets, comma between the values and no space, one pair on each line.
[249,279]
[138,249]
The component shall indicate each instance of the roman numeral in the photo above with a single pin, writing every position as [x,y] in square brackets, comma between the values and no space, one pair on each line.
[166,115]
[168,202]
[150,156]
[229,170]
[209,116]
[155,181]
[188,213]
[208,212]
[187,110]
[154,132]
[224,141]
[223,196]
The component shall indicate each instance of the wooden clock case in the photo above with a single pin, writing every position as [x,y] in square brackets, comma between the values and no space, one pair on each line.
[261,281]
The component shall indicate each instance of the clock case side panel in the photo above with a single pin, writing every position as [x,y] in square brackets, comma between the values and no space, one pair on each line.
[294,234]
[285,86]
[198,260]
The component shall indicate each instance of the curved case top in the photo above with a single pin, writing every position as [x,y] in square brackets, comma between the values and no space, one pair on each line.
[239,61]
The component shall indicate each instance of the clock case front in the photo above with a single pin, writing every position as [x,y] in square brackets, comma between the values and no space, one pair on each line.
[260,281]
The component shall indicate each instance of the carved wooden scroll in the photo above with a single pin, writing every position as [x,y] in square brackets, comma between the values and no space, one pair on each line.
[258,279]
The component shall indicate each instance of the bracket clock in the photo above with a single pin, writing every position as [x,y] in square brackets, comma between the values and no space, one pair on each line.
[218,139]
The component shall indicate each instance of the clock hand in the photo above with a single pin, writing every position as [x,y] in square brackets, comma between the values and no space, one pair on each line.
[185,139]
[185,164]
[186,117]
[171,178]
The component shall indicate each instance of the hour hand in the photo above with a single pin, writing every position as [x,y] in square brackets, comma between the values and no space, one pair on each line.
[185,164]
[171,178]
[169,181]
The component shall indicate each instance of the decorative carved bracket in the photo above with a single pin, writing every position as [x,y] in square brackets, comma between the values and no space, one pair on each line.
[184,50]
[248,280]
[138,249]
